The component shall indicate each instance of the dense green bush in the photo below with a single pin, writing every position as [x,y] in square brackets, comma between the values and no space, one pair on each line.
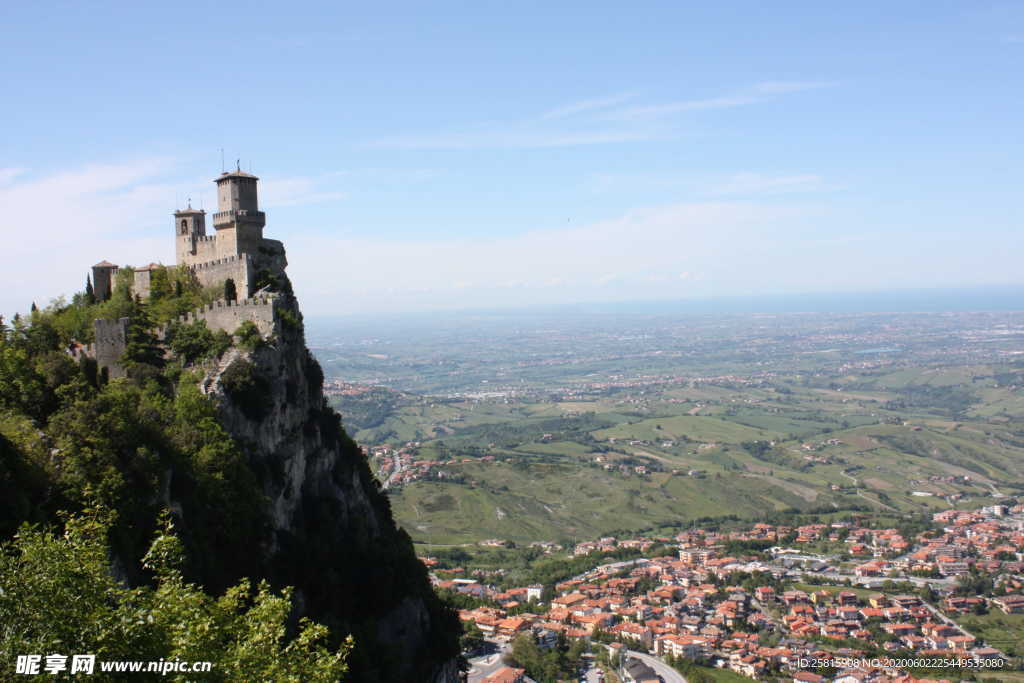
[194,341]
[248,336]
[60,595]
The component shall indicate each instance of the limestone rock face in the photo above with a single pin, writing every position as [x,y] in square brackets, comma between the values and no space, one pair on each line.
[330,532]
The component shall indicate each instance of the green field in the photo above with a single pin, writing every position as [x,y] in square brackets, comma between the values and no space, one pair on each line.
[837,431]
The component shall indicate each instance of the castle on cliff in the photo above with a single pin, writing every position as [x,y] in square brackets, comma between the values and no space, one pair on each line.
[237,252]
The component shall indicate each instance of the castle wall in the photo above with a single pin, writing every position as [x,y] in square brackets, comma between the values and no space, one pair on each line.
[227,315]
[238,268]
[227,242]
[193,249]
[248,237]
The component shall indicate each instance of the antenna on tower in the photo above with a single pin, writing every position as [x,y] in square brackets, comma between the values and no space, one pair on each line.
[222,169]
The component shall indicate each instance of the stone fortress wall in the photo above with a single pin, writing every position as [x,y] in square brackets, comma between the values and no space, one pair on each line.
[239,268]
[228,315]
[205,248]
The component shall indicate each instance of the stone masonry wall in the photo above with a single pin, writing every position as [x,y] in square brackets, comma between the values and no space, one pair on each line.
[238,268]
[228,315]
[111,339]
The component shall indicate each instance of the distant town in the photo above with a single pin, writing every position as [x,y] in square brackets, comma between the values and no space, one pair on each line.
[816,593]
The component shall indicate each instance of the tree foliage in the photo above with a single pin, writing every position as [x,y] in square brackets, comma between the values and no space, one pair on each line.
[60,595]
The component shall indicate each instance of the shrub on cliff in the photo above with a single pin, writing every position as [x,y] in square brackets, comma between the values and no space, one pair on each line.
[248,336]
[194,341]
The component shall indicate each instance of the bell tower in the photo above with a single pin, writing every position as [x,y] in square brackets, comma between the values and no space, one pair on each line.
[189,228]
[239,221]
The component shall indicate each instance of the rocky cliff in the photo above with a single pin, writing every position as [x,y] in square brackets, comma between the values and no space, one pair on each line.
[329,529]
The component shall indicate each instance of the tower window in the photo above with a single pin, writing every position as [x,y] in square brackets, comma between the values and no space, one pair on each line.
[184,226]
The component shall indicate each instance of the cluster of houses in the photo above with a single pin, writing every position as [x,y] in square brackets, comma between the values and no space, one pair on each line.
[683,605]
[398,466]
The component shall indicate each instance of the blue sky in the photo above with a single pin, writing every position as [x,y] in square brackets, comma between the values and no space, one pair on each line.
[458,155]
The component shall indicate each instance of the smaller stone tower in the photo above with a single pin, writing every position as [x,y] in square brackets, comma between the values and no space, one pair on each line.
[190,234]
[111,341]
[103,274]
[239,221]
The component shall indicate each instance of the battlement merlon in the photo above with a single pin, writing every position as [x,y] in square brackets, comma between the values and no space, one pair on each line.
[233,216]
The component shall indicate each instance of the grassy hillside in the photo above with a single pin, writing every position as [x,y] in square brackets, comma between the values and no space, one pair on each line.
[918,439]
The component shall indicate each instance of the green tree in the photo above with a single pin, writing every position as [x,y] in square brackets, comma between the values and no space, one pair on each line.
[191,341]
[249,337]
[230,291]
[141,346]
[159,284]
[60,596]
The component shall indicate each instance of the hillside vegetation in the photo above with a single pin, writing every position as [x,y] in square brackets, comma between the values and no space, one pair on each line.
[98,464]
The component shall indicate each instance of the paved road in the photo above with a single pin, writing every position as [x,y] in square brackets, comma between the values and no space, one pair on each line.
[667,673]
[482,667]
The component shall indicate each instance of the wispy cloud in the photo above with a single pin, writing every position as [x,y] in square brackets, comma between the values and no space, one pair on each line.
[593,121]
[684,106]
[759,92]
[586,106]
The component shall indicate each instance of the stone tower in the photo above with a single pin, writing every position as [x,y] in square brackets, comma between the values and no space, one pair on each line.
[103,274]
[239,221]
[191,243]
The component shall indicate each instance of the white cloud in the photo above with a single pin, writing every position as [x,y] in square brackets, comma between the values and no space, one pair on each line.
[57,226]
[586,106]
[9,174]
[747,96]
[595,121]
[655,110]
[612,258]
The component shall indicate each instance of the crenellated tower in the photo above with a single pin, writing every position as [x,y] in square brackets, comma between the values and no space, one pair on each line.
[239,221]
